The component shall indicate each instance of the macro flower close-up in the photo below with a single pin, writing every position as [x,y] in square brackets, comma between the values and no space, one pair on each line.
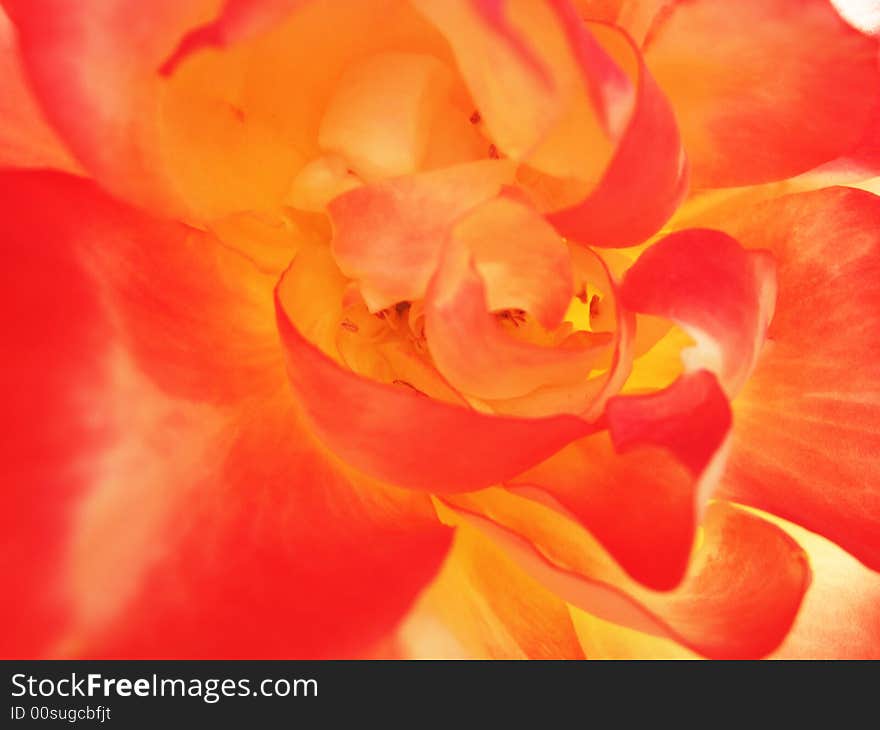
[441,329]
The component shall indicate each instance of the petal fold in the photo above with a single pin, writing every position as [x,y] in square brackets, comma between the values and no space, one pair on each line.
[719,293]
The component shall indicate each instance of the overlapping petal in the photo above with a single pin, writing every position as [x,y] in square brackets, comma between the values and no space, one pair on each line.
[740,596]
[155,526]
[369,423]
[642,488]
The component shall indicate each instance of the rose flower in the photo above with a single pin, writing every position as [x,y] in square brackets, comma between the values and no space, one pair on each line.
[440,328]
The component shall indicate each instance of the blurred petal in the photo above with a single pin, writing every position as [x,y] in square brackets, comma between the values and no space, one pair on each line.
[56,338]
[26,139]
[762,89]
[816,381]
[719,293]
[642,489]
[152,526]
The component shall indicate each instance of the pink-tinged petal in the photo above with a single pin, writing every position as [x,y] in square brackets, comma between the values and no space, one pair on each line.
[26,139]
[388,236]
[143,525]
[473,351]
[641,489]
[762,89]
[522,261]
[807,443]
[369,424]
[719,293]
[646,178]
[545,89]
[742,591]
[93,68]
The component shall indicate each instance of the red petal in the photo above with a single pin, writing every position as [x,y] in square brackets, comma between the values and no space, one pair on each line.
[56,342]
[642,491]
[762,89]
[388,236]
[722,295]
[262,553]
[739,598]
[370,424]
[146,526]
[808,443]
[647,176]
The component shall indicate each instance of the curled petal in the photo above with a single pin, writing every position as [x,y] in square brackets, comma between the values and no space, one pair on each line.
[642,488]
[369,424]
[718,292]
[471,348]
[646,178]
[742,591]
[816,382]
[763,89]
[547,91]
[388,236]
[520,258]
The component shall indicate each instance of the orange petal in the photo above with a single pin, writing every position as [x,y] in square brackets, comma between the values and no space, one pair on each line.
[642,488]
[473,351]
[807,441]
[482,606]
[388,236]
[545,89]
[762,89]
[453,449]
[380,116]
[646,178]
[739,598]
[719,293]
[520,258]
